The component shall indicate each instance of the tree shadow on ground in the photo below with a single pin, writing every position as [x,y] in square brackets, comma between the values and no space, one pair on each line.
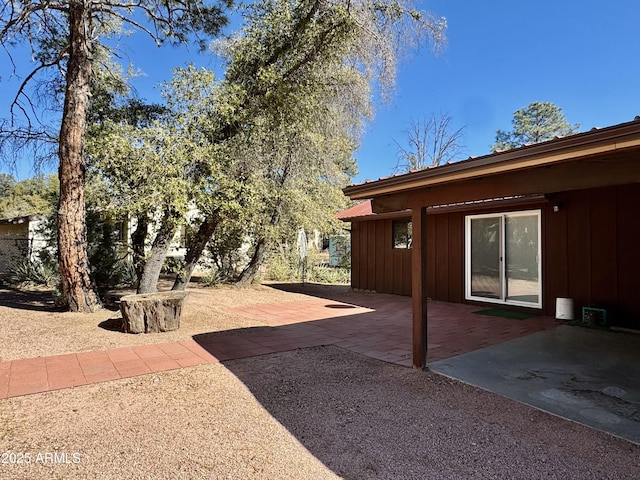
[337,293]
[36,300]
[383,332]
[364,418]
[112,324]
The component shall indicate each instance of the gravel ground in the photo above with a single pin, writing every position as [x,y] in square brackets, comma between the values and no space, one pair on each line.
[30,326]
[312,413]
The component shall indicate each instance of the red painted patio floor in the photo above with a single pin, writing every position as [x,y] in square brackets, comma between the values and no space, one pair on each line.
[378,326]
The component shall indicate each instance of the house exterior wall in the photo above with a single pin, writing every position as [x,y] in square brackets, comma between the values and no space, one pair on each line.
[14,244]
[375,265]
[37,239]
[590,253]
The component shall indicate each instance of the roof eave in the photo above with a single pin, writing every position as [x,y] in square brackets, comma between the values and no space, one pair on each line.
[594,142]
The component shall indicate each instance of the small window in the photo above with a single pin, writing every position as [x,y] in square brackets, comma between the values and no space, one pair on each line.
[401,234]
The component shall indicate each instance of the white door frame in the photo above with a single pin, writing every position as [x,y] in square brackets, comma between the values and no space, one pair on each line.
[502,216]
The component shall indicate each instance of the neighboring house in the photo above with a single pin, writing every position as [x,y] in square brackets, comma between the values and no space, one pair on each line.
[20,238]
[339,251]
[515,229]
[23,238]
[125,229]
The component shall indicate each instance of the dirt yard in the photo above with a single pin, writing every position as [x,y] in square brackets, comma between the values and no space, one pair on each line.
[320,412]
[30,326]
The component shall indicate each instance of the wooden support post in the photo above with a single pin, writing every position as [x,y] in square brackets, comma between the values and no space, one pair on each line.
[419,285]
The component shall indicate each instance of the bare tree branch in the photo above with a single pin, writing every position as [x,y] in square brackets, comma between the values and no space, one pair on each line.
[430,142]
[25,82]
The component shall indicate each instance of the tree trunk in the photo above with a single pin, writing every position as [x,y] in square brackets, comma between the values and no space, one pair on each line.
[138,238]
[251,270]
[159,249]
[206,230]
[77,286]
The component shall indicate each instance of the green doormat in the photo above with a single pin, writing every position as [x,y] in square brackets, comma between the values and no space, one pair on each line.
[497,312]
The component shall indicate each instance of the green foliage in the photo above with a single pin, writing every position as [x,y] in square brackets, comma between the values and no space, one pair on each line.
[7,185]
[297,140]
[535,123]
[226,251]
[107,253]
[112,100]
[285,266]
[155,158]
[326,274]
[29,272]
[212,278]
[66,39]
[114,272]
[125,273]
[300,79]
[172,265]
[37,195]
[268,148]
[41,271]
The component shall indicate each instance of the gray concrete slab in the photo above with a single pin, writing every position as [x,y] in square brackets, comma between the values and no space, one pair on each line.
[589,376]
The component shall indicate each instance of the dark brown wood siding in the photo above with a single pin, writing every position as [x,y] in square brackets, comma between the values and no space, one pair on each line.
[376,266]
[456,257]
[445,257]
[628,236]
[592,254]
[590,251]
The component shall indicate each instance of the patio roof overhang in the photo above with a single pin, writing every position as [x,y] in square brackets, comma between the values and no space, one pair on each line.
[598,158]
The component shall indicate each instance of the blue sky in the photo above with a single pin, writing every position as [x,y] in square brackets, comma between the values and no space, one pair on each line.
[504,54]
[501,55]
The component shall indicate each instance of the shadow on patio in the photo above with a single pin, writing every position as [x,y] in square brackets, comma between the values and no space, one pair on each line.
[375,325]
[367,419]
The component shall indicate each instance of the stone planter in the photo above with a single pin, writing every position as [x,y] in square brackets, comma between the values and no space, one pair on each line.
[152,312]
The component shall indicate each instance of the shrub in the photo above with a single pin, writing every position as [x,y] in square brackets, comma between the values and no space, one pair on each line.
[281,269]
[286,268]
[173,265]
[213,278]
[34,272]
[323,274]
[125,274]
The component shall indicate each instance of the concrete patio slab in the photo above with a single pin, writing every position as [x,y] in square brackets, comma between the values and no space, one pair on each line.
[589,376]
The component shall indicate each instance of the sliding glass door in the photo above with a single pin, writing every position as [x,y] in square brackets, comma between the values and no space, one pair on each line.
[486,267]
[503,258]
